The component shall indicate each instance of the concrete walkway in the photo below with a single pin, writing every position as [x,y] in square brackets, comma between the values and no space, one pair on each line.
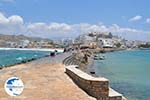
[44,79]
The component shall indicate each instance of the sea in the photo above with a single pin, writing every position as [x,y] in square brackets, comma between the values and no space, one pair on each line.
[128,72]
[11,57]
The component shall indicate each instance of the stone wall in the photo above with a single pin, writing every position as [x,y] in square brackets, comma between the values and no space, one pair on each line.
[97,87]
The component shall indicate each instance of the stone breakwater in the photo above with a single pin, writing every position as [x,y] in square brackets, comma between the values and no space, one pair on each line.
[97,87]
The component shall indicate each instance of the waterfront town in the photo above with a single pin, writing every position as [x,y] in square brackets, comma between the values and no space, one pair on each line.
[95,40]
[92,40]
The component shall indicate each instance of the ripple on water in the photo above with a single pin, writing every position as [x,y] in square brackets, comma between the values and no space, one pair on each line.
[128,72]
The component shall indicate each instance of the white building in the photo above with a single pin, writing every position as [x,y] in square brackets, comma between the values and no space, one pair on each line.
[11,44]
[24,43]
[67,41]
[86,39]
[105,43]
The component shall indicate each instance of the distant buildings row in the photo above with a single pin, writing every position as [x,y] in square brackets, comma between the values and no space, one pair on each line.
[28,44]
[102,40]
[89,40]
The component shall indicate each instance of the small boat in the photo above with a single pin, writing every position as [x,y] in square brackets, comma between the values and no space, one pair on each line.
[96,57]
[92,72]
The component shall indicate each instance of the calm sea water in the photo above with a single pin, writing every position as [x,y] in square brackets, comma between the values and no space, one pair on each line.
[128,72]
[8,57]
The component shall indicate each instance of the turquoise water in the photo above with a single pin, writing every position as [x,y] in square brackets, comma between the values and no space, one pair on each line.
[9,57]
[128,72]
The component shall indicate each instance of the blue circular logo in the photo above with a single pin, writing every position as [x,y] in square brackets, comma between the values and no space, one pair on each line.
[14,86]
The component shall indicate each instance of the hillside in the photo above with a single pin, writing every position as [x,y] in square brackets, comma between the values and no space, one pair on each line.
[16,38]
[19,41]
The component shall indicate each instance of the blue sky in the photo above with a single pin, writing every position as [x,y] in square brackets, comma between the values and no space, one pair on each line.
[128,18]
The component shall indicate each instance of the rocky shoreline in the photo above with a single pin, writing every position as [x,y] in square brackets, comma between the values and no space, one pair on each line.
[85,58]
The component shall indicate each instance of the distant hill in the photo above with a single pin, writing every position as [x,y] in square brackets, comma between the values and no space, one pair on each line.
[16,38]
[8,40]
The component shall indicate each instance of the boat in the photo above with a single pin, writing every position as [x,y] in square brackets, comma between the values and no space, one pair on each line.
[96,57]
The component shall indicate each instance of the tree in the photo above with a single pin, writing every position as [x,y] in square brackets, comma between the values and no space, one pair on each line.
[147,45]
[118,45]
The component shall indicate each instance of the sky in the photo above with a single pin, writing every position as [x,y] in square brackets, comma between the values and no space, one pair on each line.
[70,18]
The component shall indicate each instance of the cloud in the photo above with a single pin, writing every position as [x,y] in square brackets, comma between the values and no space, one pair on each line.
[15,19]
[15,25]
[148,20]
[3,19]
[136,18]
[11,25]
[49,30]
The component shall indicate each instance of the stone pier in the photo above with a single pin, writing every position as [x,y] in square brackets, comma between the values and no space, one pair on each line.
[97,87]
